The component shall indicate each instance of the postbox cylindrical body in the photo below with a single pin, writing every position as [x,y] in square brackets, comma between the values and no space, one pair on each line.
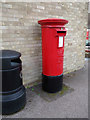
[53,35]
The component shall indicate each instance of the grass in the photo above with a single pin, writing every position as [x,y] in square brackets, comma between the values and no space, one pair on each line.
[65,88]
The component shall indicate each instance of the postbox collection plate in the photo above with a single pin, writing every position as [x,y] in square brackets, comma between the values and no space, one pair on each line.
[60,41]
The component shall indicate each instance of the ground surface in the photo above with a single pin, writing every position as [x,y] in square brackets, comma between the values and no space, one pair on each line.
[73,104]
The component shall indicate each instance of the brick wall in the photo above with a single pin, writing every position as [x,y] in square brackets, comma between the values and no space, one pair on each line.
[21,32]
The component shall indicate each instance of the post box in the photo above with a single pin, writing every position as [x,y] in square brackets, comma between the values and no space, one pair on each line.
[53,35]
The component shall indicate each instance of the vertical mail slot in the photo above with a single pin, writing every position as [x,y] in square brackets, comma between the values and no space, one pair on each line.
[53,35]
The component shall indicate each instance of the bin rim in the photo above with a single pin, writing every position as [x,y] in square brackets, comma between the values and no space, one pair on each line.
[9,54]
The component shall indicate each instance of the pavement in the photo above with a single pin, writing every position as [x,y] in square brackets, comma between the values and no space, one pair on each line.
[73,104]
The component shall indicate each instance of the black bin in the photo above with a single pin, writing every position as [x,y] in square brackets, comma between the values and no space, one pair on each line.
[12,94]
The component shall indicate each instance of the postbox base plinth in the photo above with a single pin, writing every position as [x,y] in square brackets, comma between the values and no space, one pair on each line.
[12,103]
[52,84]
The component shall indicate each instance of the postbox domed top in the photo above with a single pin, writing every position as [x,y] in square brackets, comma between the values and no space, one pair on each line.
[53,21]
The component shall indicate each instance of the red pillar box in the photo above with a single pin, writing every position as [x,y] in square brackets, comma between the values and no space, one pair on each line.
[87,36]
[53,33]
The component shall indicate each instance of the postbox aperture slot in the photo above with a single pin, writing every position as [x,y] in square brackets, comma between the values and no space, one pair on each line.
[61,31]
